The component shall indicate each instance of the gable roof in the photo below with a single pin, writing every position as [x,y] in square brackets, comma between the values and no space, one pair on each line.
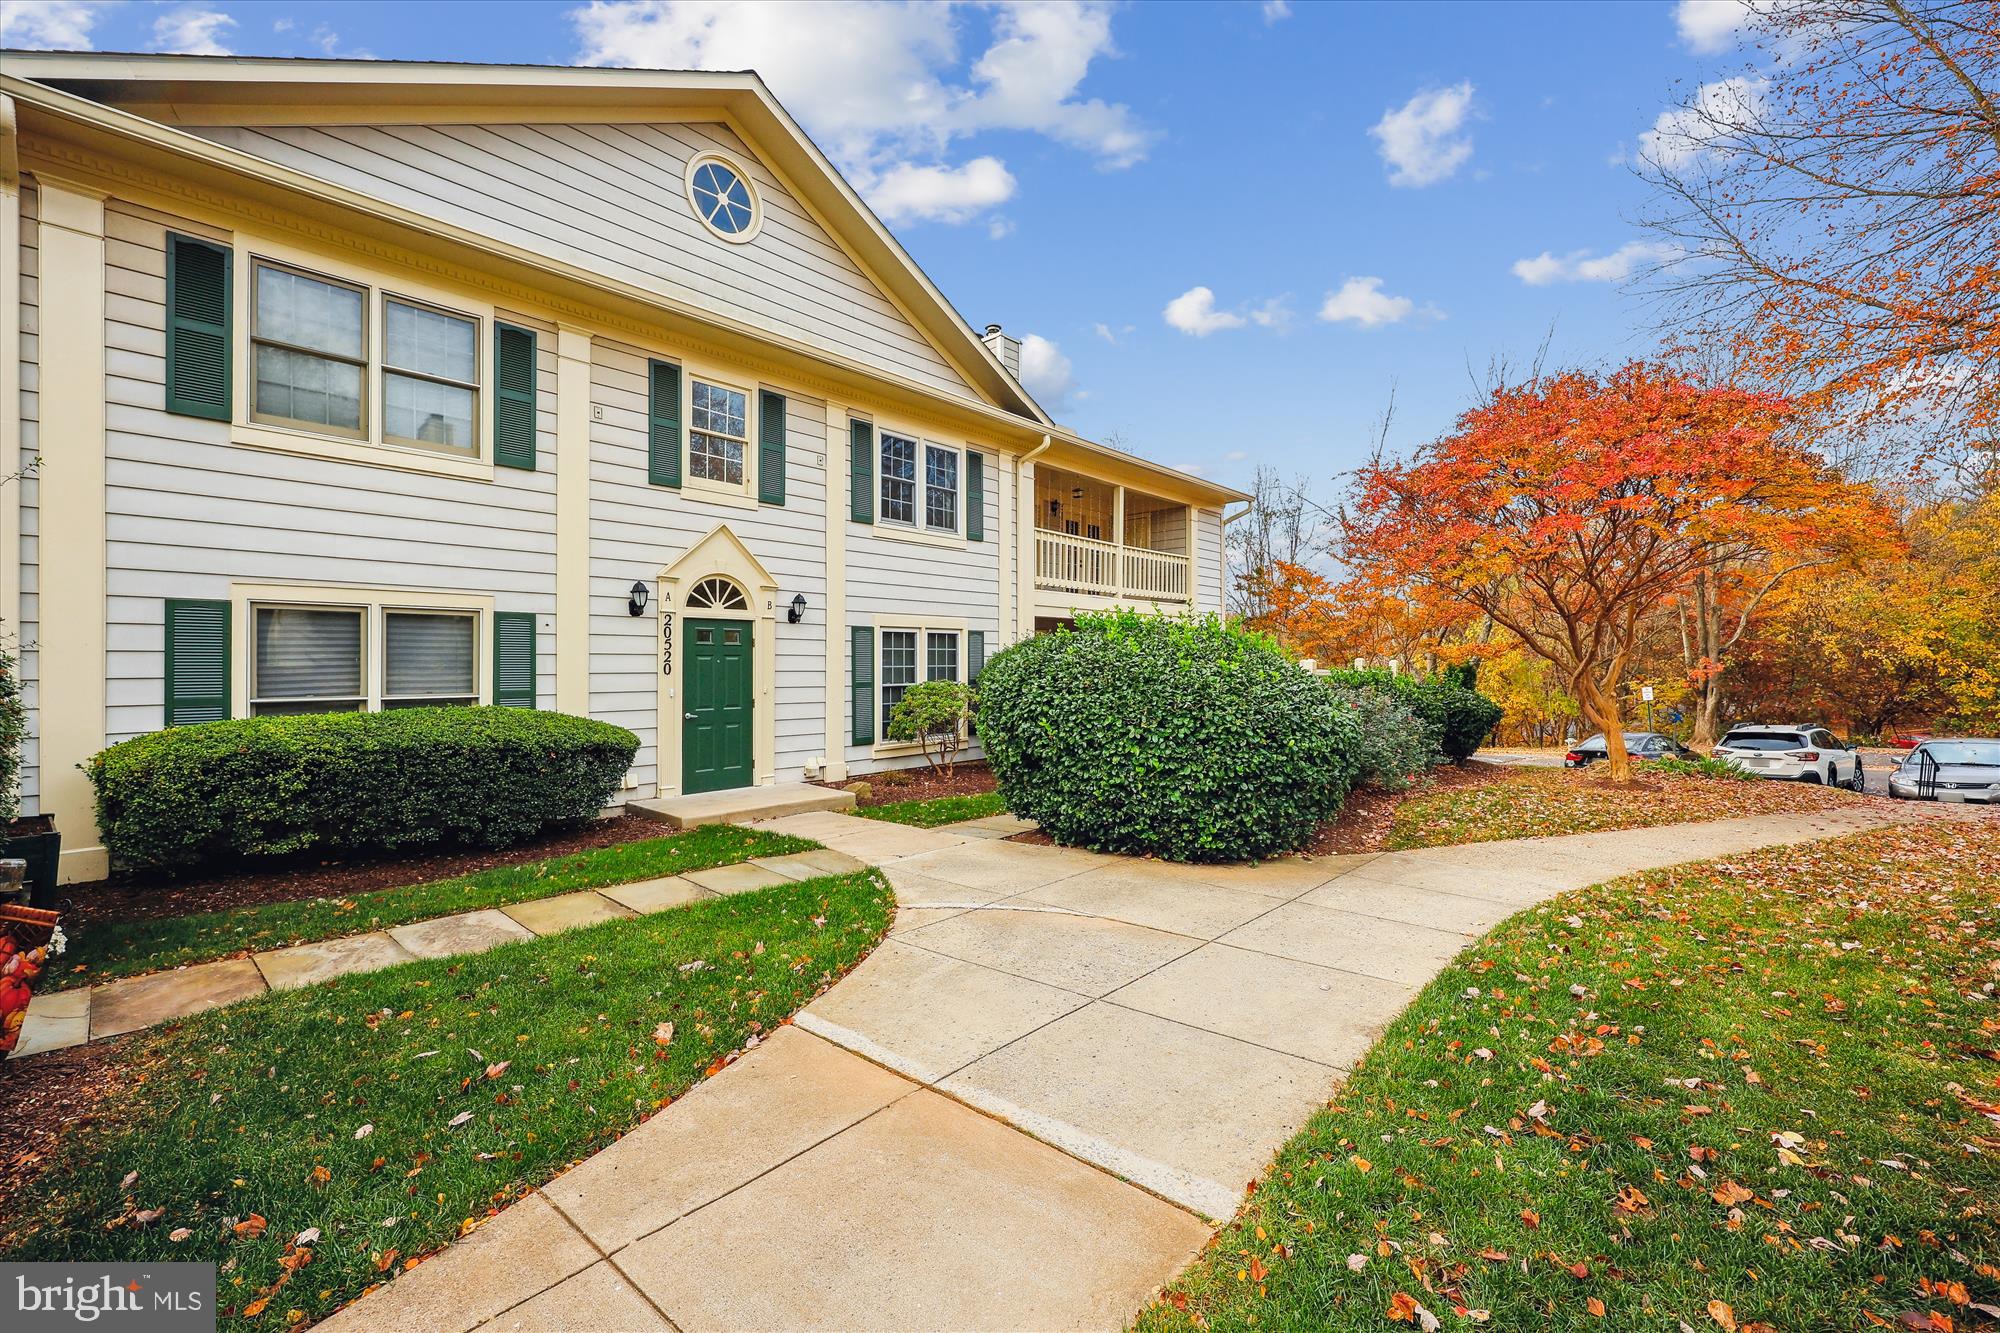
[172,91]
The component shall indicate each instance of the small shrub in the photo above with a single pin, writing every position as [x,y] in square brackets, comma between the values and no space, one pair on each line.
[894,777]
[1179,737]
[937,714]
[1698,768]
[13,730]
[1395,744]
[343,782]
[1461,718]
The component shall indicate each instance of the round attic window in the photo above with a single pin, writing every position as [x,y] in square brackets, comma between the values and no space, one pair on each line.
[722,198]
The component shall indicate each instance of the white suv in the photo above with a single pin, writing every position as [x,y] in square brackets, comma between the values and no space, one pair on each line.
[1801,754]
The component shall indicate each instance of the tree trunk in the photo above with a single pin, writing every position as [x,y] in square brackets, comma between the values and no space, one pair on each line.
[1600,706]
[1707,665]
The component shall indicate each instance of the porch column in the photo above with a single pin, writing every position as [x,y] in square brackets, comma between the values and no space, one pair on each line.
[1118,537]
[71,491]
[572,520]
[839,493]
[1193,544]
[1024,510]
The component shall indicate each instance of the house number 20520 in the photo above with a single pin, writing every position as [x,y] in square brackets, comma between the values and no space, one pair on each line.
[666,643]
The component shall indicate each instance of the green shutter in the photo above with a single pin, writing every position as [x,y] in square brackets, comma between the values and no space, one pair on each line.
[864,685]
[199,279]
[771,448]
[514,397]
[514,659]
[861,471]
[197,661]
[975,497]
[976,655]
[663,420]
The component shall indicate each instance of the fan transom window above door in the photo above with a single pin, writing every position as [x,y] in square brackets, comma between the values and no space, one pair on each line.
[717,594]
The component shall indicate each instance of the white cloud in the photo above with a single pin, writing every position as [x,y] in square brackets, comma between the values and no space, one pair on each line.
[49,25]
[1045,371]
[997,227]
[1193,312]
[1682,134]
[1583,266]
[908,193]
[1109,334]
[1236,455]
[1275,313]
[1710,26]
[1423,140]
[1276,11]
[192,32]
[1362,301]
[885,86]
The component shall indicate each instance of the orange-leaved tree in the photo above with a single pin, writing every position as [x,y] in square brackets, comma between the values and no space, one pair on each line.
[1573,508]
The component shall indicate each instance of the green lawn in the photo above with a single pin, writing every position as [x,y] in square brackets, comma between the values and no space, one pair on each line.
[1757,1094]
[1537,802]
[392,1110]
[103,951]
[938,810]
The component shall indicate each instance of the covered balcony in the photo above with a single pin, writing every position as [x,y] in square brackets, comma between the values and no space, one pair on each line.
[1105,540]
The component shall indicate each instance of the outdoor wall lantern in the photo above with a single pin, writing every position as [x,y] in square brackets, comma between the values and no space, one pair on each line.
[641,594]
[798,609]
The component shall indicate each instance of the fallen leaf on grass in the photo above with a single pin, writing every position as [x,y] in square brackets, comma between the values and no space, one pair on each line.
[256,1307]
[1722,1314]
[364,1132]
[251,1227]
[1595,1306]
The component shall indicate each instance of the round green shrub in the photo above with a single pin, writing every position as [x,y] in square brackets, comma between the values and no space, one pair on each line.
[344,782]
[1395,744]
[13,732]
[1460,718]
[1181,738]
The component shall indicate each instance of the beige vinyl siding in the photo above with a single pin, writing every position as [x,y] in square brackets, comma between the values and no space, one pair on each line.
[894,582]
[1208,560]
[189,513]
[612,198]
[25,634]
[637,530]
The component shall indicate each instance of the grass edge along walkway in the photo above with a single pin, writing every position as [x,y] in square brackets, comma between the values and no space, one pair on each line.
[107,951]
[937,810]
[315,1141]
[1742,1094]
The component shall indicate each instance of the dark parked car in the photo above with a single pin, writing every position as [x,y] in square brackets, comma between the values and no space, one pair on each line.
[1961,770]
[1638,744]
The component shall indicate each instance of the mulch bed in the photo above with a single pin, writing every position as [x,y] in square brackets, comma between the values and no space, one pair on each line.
[131,897]
[1363,822]
[894,786]
[43,1096]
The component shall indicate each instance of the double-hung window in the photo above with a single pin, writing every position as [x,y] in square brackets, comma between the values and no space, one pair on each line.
[899,669]
[911,655]
[940,489]
[307,659]
[430,377]
[899,479]
[348,659]
[317,365]
[309,351]
[718,433]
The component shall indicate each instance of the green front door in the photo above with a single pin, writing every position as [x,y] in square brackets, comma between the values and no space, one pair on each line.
[715,706]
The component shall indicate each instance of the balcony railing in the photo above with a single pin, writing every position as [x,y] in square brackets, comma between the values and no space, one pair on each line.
[1064,563]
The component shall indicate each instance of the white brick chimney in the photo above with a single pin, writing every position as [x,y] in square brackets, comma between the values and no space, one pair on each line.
[1006,348]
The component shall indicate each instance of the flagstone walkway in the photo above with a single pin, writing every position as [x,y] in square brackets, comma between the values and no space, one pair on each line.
[1157,1029]
[72,1017]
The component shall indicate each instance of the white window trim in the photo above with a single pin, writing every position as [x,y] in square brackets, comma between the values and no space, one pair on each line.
[923,628]
[753,406]
[756,227]
[917,531]
[377,285]
[373,603]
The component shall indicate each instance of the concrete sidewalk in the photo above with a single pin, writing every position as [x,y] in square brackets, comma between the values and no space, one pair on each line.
[1159,1030]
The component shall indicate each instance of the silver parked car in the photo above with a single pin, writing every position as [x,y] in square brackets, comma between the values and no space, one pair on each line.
[1960,770]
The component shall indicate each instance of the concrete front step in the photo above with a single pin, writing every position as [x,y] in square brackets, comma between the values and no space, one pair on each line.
[741,805]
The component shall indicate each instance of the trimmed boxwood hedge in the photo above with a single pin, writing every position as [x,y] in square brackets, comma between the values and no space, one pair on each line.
[342,782]
[1181,738]
[1462,718]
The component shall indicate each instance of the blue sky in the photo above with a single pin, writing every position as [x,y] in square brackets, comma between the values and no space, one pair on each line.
[1370,195]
